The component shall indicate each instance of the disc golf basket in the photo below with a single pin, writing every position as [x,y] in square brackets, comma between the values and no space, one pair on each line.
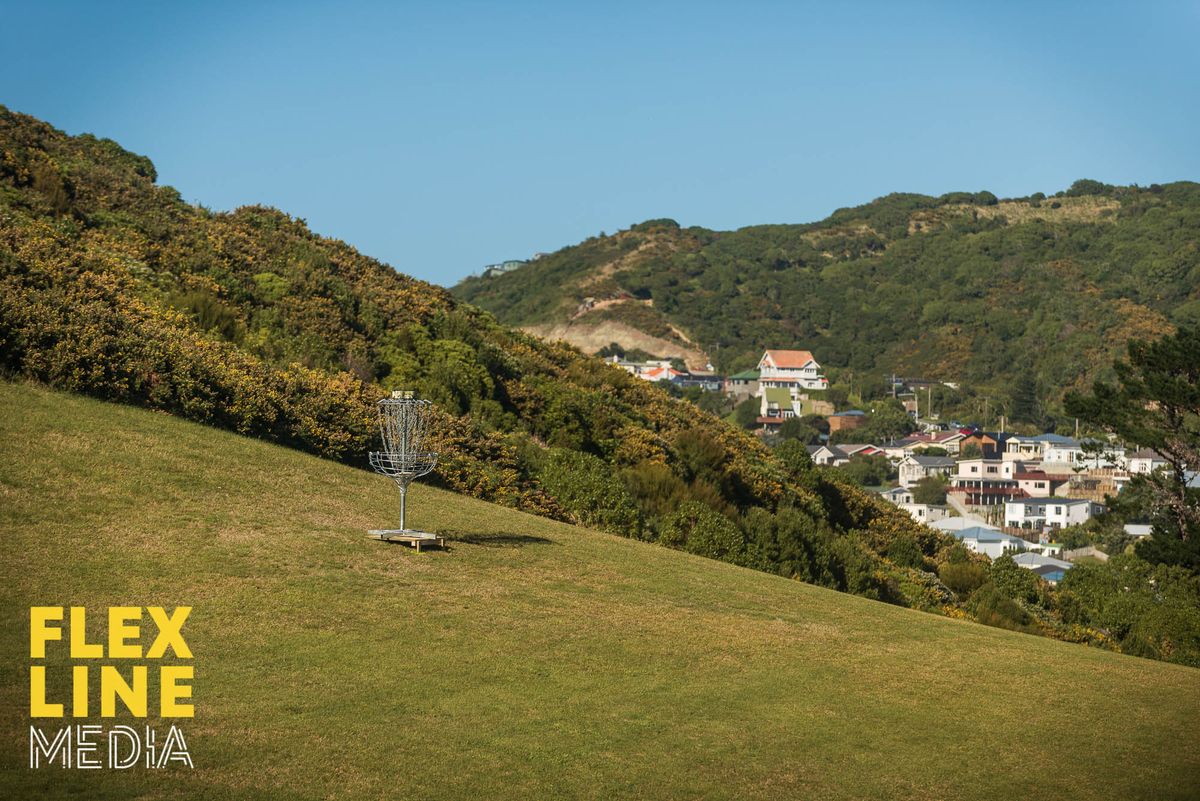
[403,422]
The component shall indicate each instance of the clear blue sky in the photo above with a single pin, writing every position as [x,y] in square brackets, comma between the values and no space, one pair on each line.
[442,136]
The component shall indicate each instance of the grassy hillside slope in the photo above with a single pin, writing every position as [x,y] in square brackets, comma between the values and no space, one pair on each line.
[963,287]
[532,659]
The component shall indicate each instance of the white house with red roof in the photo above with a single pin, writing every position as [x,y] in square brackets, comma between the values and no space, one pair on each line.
[658,370]
[795,370]
[661,373]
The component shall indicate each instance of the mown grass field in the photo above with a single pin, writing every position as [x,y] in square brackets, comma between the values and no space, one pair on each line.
[531,659]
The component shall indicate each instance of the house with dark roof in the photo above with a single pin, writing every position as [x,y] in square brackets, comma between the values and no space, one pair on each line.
[990,444]
[1145,461]
[834,455]
[914,467]
[1049,513]
[897,495]
[740,386]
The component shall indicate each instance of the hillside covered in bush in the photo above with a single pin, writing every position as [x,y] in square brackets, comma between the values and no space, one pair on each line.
[112,286]
[964,287]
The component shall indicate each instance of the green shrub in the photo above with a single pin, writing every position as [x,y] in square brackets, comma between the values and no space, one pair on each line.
[209,313]
[963,578]
[656,487]
[992,607]
[905,552]
[1015,581]
[930,489]
[586,487]
[697,529]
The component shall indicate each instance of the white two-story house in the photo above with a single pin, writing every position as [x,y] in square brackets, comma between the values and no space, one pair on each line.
[986,482]
[1049,513]
[794,370]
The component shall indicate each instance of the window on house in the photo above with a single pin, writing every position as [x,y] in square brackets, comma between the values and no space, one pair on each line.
[991,470]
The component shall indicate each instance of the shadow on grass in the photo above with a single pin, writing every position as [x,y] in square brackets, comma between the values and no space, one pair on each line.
[497,539]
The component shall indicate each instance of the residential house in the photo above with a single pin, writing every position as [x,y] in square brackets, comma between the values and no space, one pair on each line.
[913,468]
[946,440]
[662,373]
[894,450]
[740,386]
[1027,513]
[1049,513]
[985,482]
[1087,454]
[1102,455]
[828,455]
[952,524]
[705,379]
[989,541]
[986,468]
[1060,450]
[1022,448]
[776,402]
[794,370]
[834,455]
[656,370]
[1038,483]
[898,449]
[859,449]
[1049,568]
[950,441]
[925,512]
[897,495]
[990,445]
[1145,461]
